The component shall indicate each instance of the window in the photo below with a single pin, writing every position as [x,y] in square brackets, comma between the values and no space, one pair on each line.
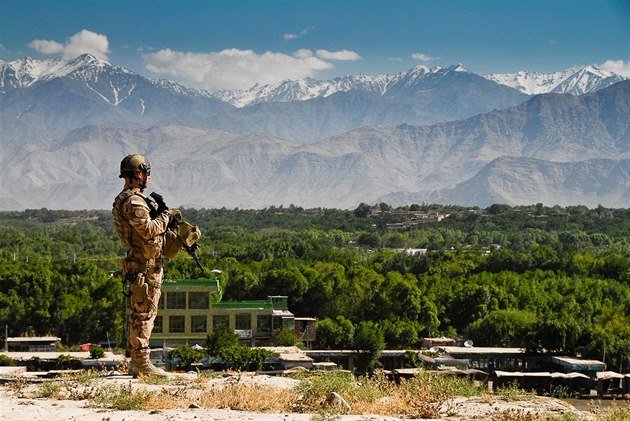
[176,324]
[264,325]
[157,324]
[220,321]
[198,323]
[161,302]
[199,300]
[243,321]
[277,323]
[176,300]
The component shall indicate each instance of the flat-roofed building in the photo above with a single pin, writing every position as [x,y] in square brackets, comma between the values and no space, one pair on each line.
[190,310]
[579,365]
[490,358]
[33,344]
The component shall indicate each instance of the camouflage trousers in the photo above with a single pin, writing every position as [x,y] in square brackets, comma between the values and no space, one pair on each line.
[142,302]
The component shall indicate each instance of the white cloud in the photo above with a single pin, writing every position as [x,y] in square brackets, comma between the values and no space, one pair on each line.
[80,43]
[233,68]
[620,67]
[422,57]
[343,55]
[303,53]
[46,47]
[289,37]
[394,59]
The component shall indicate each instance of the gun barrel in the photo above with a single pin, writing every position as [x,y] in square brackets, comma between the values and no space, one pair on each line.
[193,254]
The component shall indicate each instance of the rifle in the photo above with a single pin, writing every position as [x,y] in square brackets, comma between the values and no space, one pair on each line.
[192,251]
[160,206]
[157,205]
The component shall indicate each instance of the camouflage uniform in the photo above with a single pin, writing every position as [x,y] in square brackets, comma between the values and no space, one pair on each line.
[142,267]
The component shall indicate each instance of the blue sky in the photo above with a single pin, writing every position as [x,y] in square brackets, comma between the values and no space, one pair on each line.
[235,44]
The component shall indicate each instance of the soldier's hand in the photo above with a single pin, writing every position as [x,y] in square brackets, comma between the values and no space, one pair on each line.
[175,214]
[174,218]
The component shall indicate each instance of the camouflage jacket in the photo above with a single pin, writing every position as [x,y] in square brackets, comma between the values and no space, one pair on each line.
[143,236]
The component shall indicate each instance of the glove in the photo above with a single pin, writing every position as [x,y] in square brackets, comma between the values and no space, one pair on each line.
[175,216]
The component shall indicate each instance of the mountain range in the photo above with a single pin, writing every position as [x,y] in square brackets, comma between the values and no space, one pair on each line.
[441,135]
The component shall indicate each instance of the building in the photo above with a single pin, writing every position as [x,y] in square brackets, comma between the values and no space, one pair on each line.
[305,330]
[190,310]
[32,344]
[490,359]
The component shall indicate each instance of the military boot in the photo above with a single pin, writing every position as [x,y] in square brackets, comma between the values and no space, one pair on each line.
[140,364]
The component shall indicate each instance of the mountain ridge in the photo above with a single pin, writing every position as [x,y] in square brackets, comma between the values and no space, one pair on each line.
[576,81]
[369,164]
[425,135]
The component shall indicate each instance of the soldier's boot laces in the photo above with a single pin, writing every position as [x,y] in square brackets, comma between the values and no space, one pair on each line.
[142,366]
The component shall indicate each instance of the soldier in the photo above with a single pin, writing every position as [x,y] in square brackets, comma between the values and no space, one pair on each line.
[146,238]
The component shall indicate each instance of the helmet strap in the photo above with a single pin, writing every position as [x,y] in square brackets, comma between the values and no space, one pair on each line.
[141,183]
[132,176]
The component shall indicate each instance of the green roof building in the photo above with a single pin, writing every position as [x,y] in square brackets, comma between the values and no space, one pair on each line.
[191,309]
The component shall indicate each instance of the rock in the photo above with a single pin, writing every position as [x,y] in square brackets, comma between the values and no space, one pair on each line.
[336,401]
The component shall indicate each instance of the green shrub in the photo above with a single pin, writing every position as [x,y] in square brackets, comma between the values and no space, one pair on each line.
[5,361]
[243,357]
[96,351]
[120,397]
[283,338]
[49,389]
[187,356]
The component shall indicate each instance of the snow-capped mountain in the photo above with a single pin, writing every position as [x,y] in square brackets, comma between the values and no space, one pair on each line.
[25,72]
[440,134]
[97,92]
[575,81]
[305,89]
[302,90]
[40,100]
[553,148]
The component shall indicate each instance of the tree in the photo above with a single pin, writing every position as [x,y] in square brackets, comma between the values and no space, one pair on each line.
[503,328]
[362,210]
[335,334]
[401,334]
[369,341]
[220,338]
[467,305]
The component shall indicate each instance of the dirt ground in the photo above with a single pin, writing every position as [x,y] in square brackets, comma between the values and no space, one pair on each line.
[21,401]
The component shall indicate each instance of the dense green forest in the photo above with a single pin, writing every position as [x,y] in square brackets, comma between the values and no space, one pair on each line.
[548,279]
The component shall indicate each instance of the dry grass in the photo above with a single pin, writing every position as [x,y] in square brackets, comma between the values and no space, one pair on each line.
[240,396]
[249,397]
[428,395]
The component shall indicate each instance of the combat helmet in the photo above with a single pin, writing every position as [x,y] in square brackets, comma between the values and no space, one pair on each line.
[134,162]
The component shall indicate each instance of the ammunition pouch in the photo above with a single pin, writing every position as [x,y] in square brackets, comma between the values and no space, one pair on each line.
[139,289]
